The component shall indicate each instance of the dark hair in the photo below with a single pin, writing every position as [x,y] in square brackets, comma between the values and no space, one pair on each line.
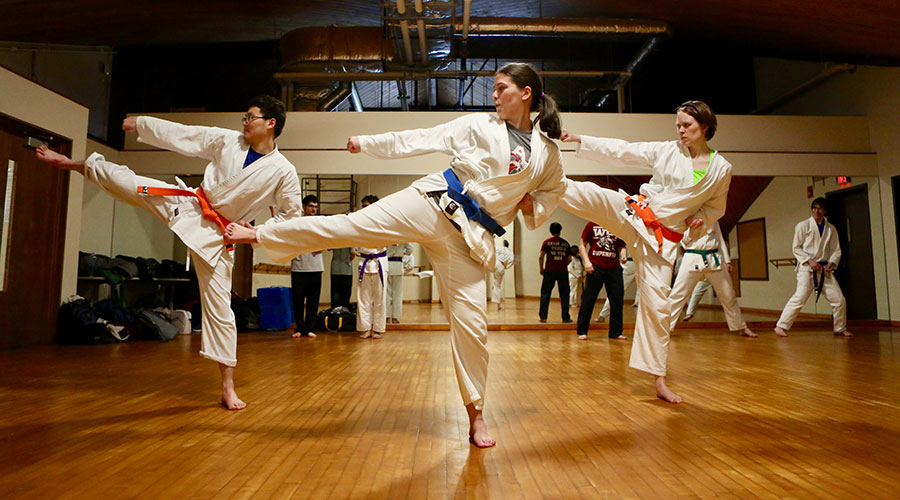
[310,198]
[573,250]
[703,114]
[523,76]
[505,243]
[555,228]
[822,202]
[271,108]
[369,198]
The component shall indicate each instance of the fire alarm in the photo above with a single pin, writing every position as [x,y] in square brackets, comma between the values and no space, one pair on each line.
[809,191]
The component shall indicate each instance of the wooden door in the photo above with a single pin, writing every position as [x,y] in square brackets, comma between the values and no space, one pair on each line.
[35,237]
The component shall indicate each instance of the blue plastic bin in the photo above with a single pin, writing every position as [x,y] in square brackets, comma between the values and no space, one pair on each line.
[275,308]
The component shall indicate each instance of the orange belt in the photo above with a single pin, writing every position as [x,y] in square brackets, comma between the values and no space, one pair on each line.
[652,222]
[209,212]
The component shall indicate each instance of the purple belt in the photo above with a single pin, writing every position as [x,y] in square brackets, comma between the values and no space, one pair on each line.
[366,258]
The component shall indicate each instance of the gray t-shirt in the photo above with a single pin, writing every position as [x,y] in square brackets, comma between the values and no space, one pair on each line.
[519,148]
[340,262]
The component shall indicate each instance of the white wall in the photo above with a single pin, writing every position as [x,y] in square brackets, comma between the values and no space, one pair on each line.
[783,204]
[873,92]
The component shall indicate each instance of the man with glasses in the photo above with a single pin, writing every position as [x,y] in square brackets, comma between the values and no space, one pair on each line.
[246,173]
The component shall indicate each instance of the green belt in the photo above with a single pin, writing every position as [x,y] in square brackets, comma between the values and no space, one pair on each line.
[705,254]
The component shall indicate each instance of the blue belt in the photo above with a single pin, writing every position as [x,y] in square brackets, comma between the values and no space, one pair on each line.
[470,206]
[366,258]
[705,254]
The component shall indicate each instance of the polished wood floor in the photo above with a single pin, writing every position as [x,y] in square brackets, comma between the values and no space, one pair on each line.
[810,416]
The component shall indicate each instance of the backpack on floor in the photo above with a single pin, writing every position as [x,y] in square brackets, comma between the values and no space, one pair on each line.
[337,319]
[79,325]
[155,326]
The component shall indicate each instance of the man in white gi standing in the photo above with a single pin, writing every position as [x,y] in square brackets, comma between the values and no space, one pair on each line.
[395,255]
[505,260]
[246,174]
[818,252]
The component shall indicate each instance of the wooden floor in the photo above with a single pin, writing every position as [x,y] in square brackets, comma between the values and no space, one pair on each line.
[810,416]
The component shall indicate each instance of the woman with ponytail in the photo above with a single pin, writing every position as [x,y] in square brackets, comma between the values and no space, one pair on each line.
[498,160]
[687,192]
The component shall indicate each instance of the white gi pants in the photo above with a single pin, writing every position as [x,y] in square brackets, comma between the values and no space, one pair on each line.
[371,306]
[832,293]
[408,216]
[497,288]
[653,273]
[627,279]
[575,289]
[395,295]
[219,332]
[720,281]
[700,290]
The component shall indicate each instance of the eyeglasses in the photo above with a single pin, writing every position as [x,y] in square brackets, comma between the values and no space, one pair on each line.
[250,117]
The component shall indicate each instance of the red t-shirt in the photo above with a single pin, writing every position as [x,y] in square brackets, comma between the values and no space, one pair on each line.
[557,252]
[603,246]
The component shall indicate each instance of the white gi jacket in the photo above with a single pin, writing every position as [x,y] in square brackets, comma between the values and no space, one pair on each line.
[479,144]
[235,192]
[808,245]
[671,193]
[505,259]
[707,237]
[395,268]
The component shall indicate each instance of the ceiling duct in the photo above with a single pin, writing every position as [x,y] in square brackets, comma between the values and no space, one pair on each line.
[563,26]
[330,49]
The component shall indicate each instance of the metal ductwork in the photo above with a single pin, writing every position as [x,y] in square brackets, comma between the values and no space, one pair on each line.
[324,50]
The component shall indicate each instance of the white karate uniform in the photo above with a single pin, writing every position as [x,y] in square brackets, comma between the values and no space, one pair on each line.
[576,280]
[479,144]
[712,267]
[700,290]
[627,280]
[235,192]
[809,245]
[395,278]
[505,260]
[672,196]
[370,295]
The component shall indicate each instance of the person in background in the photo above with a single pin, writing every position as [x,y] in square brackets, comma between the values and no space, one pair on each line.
[576,277]
[395,255]
[306,281]
[554,262]
[505,260]
[603,254]
[341,276]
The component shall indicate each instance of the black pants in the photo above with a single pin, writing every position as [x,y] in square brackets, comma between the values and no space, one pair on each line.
[341,287]
[551,278]
[305,291]
[615,292]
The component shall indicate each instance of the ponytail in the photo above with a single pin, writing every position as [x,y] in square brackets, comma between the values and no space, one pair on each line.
[523,75]
[548,116]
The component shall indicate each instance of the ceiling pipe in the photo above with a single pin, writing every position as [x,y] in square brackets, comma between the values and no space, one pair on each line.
[404,30]
[355,101]
[336,97]
[464,51]
[831,70]
[642,54]
[420,75]
[420,24]
[532,26]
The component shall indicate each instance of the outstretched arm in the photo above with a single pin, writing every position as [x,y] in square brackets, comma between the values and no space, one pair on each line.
[188,140]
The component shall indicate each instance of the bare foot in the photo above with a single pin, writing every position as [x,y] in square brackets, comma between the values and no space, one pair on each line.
[478,434]
[599,319]
[845,333]
[780,332]
[366,335]
[236,233]
[58,160]
[663,392]
[229,398]
[620,337]
[687,317]
[311,335]
[297,335]
[376,335]
[747,332]
[231,401]
[582,337]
